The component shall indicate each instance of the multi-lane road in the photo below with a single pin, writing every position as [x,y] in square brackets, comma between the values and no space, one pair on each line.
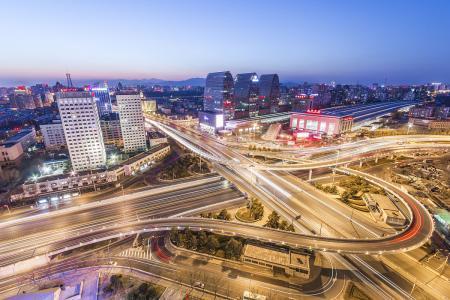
[43,233]
[417,233]
[50,234]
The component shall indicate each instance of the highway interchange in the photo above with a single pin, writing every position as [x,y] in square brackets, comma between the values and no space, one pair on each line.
[277,188]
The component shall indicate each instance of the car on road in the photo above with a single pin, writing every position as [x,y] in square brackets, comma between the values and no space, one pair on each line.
[199,284]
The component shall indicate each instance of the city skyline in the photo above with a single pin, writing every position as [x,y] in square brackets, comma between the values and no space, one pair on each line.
[347,42]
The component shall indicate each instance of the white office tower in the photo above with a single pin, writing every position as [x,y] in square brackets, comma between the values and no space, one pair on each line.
[131,121]
[81,125]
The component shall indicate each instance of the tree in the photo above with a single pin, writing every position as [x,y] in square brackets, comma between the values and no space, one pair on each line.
[202,239]
[290,228]
[283,225]
[233,248]
[189,235]
[116,282]
[194,242]
[224,215]
[213,243]
[345,197]
[273,221]
[174,235]
[258,209]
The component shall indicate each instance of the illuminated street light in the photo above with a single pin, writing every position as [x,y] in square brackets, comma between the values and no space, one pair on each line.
[410,125]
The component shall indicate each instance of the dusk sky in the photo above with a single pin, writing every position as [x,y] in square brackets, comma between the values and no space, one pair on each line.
[346,41]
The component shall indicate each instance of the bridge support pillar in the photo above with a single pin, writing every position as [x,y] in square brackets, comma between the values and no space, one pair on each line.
[376,159]
[360,163]
[310,174]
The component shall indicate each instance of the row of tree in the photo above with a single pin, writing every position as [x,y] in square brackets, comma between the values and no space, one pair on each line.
[222,215]
[274,221]
[255,208]
[326,188]
[222,246]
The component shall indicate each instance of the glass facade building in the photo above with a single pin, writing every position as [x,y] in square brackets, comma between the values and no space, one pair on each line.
[269,93]
[218,97]
[103,100]
[246,91]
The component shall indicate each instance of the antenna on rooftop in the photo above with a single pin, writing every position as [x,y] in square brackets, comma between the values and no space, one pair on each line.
[69,80]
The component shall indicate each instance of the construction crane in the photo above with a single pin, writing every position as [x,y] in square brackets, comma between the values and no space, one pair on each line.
[69,81]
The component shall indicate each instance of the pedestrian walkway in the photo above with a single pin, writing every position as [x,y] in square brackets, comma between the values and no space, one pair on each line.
[141,252]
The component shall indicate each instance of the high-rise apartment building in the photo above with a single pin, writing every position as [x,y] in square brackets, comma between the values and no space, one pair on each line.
[246,91]
[218,97]
[269,93]
[131,121]
[81,125]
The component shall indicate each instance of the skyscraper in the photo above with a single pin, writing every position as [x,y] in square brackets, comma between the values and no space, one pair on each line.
[101,95]
[269,92]
[246,95]
[218,96]
[81,125]
[131,121]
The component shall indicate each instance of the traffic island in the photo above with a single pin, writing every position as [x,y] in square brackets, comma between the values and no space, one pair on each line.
[253,212]
[118,286]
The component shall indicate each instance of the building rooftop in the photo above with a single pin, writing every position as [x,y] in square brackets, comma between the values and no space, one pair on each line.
[155,135]
[73,94]
[113,116]
[383,201]
[144,154]
[18,136]
[276,117]
[277,255]
[443,215]
[127,92]
[8,145]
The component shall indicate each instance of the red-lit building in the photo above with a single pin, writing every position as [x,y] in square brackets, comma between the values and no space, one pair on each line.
[313,122]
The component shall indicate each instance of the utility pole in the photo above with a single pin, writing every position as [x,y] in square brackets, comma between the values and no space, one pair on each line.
[414,285]
[444,264]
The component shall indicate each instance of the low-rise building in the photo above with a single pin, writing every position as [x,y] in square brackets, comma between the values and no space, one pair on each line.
[66,182]
[442,217]
[317,122]
[155,138]
[110,125]
[439,124]
[53,135]
[144,159]
[26,137]
[276,258]
[149,106]
[10,151]
[390,214]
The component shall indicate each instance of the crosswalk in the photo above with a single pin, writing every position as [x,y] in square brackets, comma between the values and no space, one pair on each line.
[140,252]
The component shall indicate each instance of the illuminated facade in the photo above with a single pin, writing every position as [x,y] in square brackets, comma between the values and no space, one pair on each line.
[101,96]
[81,125]
[269,93]
[246,91]
[131,121]
[218,96]
[110,125]
[315,122]
[53,135]
[210,122]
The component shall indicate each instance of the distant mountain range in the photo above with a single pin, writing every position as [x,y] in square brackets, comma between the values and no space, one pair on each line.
[146,82]
[125,82]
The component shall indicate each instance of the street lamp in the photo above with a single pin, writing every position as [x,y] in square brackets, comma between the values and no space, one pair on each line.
[410,125]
